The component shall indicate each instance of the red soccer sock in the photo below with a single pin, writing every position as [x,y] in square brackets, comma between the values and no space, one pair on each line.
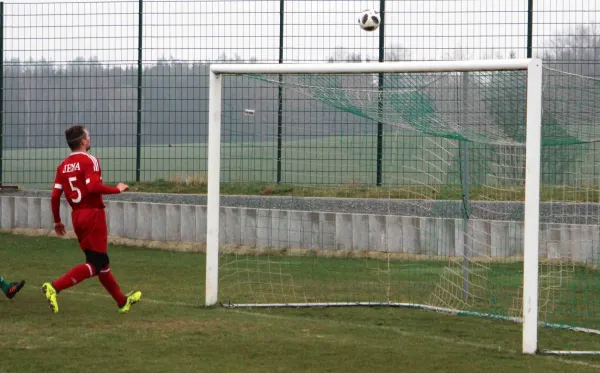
[110,284]
[74,276]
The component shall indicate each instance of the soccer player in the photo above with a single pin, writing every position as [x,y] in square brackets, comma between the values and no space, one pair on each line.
[10,289]
[79,176]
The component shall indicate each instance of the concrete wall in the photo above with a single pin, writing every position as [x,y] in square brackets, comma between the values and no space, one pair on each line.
[292,229]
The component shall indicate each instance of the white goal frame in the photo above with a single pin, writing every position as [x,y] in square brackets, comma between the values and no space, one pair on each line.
[532,157]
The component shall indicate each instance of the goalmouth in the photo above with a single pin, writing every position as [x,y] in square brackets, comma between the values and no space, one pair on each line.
[401,114]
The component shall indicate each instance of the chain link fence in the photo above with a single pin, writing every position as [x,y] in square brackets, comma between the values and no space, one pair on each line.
[136,74]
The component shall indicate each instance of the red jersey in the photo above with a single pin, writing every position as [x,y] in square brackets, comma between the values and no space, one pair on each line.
[73,177]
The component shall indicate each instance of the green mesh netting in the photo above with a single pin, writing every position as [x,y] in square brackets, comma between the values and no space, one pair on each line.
[484,107]
[445,228]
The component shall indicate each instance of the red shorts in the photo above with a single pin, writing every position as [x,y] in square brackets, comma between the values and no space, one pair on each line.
[90,228]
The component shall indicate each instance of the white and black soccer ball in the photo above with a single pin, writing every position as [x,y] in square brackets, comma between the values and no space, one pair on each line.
[369,20]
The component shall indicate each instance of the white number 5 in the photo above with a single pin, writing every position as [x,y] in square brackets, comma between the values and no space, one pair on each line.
[75,189]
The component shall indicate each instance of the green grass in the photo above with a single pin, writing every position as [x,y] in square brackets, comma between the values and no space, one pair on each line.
[329,166]
[326,160]
[169,330]
[570,297]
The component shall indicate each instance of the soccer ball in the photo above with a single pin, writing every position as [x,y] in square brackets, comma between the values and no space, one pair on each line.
[368,20]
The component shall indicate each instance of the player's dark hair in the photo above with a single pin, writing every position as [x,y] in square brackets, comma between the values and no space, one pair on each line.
[74,135]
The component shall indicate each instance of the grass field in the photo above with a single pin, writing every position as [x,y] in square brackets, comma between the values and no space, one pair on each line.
[329,166]
[170,330]
[319,161]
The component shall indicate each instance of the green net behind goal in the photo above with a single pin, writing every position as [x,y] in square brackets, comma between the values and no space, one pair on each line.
[444,230]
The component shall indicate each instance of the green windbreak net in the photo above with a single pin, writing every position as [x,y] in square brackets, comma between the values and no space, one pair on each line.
[484,107]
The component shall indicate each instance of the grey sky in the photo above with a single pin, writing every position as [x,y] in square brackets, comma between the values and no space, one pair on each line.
[315,29]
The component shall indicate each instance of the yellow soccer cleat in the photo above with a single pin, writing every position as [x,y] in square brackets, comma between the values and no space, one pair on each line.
[132,298]
[50,294]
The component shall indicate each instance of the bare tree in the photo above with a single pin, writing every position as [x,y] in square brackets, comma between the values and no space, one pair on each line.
[577,52]
[396,52]
[458,54]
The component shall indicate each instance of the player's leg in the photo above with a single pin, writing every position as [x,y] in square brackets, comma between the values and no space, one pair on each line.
[74,276]
[106,277]
[83,222]
[10,289]
[99,245]
[109,282]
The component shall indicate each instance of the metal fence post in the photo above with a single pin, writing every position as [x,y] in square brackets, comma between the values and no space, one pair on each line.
[280,93]
[529,28]
[380,96]
[1,90]
[139,93]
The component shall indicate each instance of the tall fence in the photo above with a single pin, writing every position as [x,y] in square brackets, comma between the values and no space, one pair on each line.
[135,74]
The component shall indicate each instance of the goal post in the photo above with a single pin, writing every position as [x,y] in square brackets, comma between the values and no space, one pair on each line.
[532,159]
[533,149]
[213,193]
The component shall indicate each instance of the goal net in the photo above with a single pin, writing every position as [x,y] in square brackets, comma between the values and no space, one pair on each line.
[461,187]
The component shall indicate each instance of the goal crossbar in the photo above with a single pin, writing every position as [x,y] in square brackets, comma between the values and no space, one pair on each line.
[373,67]
[532,156]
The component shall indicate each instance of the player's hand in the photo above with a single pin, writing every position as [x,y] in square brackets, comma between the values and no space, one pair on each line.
[59,228]
[122,187]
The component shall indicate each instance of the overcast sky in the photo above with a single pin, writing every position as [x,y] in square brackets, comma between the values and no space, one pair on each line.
[314,30]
